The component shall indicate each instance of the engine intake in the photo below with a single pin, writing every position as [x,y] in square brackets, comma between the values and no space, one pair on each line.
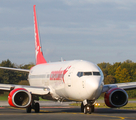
[116,97]
[19,97]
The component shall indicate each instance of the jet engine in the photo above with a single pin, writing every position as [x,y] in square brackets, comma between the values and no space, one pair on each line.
[116,97]
[19,97]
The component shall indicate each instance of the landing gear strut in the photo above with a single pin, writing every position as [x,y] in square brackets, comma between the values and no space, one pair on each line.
[34,106]
[87,107]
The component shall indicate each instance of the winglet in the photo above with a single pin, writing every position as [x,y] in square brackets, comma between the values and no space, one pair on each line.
[38,53]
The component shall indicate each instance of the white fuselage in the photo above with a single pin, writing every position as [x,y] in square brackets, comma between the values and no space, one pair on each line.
[73,80]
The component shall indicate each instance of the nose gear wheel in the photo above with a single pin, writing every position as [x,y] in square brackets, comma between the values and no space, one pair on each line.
[89,108]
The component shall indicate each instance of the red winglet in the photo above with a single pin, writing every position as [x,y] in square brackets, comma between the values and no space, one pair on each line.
[38,53]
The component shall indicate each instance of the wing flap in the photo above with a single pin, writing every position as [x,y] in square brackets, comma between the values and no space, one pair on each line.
[35,90]
[16,69]
[125,86]
[32,89]
[5,88]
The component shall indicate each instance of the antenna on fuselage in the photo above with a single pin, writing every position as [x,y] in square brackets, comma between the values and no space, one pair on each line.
[62,59]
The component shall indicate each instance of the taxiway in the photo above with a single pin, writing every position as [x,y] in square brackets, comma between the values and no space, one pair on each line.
[58,111]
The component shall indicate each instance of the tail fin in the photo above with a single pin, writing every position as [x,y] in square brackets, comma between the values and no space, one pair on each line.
[38,53]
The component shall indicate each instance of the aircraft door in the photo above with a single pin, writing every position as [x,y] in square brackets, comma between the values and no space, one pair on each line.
[69,80]
[69,77]
[46,79]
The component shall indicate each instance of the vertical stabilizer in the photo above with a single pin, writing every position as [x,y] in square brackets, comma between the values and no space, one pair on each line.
[38,53]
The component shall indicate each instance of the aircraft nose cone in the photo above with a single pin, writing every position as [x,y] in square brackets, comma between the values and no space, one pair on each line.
[92,87]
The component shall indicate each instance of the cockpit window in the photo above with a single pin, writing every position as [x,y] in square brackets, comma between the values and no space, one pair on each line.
[96,73]
[87,73]
[80,74]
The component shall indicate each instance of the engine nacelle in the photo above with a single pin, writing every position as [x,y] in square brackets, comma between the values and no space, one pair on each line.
[116,97]
[19,97]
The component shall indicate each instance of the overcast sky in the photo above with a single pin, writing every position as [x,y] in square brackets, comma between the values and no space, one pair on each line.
[92,30]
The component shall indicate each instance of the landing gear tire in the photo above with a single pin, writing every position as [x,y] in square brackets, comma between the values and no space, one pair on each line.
[92,107]
[28,109]
[37,107]
[34,106]
[85,110]
[87,106]
[90,110]
[82,107]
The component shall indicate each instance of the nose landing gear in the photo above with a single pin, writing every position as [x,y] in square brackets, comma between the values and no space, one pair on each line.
[87,107]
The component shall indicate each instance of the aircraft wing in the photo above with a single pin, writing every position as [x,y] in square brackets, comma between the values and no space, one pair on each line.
[16,69]
[32,89]
[125,86]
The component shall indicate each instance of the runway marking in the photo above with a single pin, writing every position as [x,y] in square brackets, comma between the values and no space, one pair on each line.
[59,112]
[120,118]
[56,107]
[16,108]
[1,107]
[116,117]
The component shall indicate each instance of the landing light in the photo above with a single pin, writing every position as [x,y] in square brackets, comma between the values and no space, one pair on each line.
[88,108]
[97,104]
[46,89]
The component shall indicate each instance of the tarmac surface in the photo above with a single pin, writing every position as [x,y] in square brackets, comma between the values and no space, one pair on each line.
[57,111]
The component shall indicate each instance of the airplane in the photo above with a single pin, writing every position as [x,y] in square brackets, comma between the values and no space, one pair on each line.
[75,80]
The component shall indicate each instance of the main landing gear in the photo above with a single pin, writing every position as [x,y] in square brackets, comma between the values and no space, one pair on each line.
[87,107]
[35,106]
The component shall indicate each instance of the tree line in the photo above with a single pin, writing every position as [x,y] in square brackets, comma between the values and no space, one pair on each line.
[118,72]
[14,77]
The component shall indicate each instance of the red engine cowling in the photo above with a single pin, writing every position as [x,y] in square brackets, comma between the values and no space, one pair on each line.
[116,97]
[19,97]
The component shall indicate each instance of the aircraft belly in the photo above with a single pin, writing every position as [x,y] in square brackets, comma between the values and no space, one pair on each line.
[59,89]
[77,92]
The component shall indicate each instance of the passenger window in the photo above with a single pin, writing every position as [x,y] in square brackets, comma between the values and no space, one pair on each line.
[48,75]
